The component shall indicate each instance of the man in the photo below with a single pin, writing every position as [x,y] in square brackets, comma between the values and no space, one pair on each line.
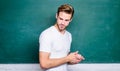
[55,43]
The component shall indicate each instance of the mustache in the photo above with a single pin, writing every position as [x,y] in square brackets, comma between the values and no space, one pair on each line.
[61,24]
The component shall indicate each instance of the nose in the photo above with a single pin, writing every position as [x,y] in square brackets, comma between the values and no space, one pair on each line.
[63,22]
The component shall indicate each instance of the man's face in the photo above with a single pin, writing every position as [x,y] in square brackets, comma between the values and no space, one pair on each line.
[63,20]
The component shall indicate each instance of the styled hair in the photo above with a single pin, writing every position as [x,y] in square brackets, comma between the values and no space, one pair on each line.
[67,9]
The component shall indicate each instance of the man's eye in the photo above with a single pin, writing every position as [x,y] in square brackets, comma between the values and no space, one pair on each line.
[67,20]
[61,19]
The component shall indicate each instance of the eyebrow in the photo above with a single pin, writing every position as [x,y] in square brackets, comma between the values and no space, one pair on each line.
[65,19]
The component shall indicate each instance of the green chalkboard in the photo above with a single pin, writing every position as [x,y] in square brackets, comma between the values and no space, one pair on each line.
[95,29]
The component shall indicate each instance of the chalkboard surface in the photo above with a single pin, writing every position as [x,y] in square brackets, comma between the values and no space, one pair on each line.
[95,29]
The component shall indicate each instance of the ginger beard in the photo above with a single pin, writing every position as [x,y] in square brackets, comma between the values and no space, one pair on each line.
[61,27]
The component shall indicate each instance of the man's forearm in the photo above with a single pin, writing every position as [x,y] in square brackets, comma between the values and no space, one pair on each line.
[54,62]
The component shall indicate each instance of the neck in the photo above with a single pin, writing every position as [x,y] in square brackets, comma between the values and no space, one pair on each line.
[61,31]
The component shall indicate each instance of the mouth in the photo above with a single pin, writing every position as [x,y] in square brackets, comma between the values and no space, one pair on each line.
[61,26]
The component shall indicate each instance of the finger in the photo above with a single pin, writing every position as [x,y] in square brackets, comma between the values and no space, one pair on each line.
[82,58]
[76,52]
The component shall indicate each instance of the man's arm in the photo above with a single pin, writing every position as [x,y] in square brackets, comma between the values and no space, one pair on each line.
[46,62]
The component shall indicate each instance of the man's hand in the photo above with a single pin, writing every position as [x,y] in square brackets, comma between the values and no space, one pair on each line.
[78,58]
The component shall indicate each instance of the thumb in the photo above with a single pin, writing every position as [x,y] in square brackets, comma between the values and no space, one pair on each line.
[76,52]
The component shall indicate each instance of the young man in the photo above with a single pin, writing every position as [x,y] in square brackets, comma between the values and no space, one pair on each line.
[55,43]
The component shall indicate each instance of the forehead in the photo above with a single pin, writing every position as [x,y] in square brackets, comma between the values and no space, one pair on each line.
[64,15]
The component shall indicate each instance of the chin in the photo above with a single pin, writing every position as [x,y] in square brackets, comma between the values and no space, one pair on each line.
[62,29]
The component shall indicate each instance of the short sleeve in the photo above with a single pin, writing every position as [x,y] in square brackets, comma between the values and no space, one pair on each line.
[70,38]
[45,43]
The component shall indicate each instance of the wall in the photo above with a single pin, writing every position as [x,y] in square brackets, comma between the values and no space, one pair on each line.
[95,29]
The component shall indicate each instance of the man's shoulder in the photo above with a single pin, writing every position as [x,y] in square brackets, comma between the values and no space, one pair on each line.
[47,31]
[68,33]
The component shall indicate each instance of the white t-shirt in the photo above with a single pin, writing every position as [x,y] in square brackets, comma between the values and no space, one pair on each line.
[57,44]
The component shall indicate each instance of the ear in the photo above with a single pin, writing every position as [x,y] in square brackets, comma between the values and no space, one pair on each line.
[71,20]
[56,15]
